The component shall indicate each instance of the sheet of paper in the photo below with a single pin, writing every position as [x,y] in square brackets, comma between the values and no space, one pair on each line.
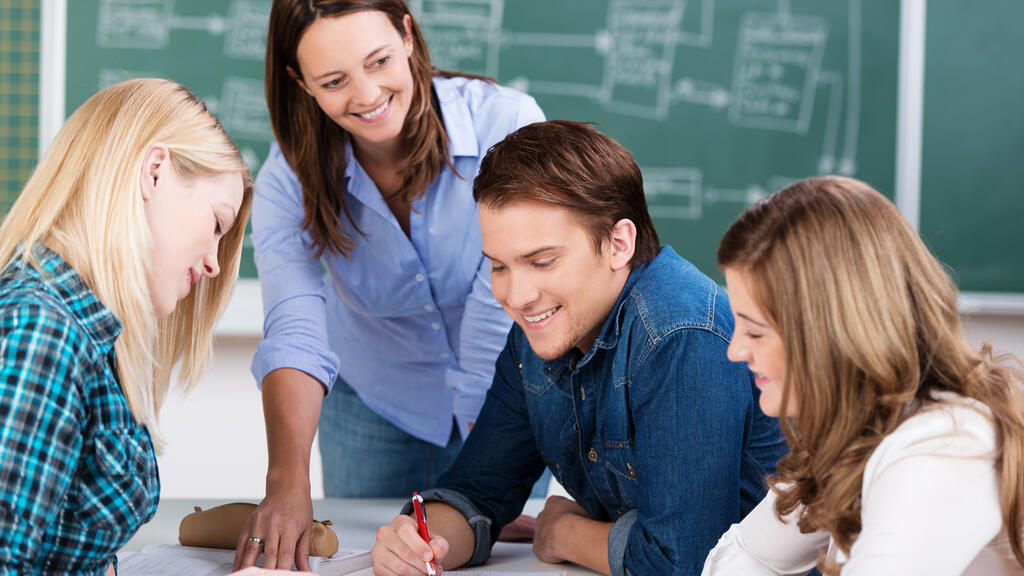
[447,573]
[174,560]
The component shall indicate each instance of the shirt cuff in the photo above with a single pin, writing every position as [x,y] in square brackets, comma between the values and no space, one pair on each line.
[480,524]
[617,540]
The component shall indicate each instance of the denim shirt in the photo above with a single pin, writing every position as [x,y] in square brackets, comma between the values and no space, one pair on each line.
[652,429]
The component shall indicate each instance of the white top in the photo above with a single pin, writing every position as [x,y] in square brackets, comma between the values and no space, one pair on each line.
[929,506]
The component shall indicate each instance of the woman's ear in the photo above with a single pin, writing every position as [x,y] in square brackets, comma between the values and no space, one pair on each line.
[407,37]
[298,79]
[155,164]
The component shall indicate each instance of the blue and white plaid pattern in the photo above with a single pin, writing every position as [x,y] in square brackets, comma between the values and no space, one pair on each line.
[77,475]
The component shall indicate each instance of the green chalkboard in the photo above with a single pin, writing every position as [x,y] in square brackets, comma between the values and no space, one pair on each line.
[720,102]
[972,184]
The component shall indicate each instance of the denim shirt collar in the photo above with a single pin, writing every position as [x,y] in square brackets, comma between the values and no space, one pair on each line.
[608,337]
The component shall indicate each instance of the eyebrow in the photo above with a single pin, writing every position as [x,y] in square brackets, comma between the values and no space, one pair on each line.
[529,254]
[751,320]
[369,56]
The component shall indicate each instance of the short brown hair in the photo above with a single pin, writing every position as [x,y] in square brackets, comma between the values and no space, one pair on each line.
[572,165]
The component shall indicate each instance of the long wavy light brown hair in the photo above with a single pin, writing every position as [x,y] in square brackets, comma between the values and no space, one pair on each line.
[870,329]
[84,197]
[314,145]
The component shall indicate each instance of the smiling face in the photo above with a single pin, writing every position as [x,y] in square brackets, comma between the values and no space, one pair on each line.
[547,275]
[187,218]
[756,342]
[356,66]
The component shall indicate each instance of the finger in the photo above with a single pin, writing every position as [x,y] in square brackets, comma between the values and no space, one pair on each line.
[440,547]
[286,549]
[417,549]
[302,551]
[251,553]
[270,551]
[386,563]
[242,547]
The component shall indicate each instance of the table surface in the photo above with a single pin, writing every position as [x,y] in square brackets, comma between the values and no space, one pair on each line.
[356,522]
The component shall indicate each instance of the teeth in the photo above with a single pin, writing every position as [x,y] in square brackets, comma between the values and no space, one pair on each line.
[540,317]
[374,113]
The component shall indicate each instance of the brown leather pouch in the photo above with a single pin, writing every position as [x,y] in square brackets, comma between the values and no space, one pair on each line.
[219,528]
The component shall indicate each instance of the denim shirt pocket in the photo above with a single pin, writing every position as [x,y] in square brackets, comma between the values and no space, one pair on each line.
[120,487]
[619,457]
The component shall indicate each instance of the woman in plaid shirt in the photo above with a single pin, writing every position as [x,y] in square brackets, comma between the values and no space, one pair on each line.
[118,257]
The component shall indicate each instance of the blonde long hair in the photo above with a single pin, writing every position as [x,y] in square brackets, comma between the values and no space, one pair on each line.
[870,330]
[85,197]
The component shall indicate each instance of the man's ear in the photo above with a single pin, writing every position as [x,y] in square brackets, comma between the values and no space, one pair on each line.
[621,244]
[155,164]
[298,79]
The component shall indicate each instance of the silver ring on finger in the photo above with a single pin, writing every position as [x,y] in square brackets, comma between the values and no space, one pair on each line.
[258,541]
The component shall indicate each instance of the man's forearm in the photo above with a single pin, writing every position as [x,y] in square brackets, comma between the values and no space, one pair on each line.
[450,524]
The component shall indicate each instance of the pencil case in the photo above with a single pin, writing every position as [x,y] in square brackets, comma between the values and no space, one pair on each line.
[220,527]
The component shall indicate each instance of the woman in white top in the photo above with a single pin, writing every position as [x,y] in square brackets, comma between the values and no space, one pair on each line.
[907,442]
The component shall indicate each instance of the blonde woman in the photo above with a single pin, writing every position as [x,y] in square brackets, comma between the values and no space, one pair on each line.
[907,442]
[117,258]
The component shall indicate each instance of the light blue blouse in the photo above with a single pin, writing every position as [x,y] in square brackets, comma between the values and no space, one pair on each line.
[409,322]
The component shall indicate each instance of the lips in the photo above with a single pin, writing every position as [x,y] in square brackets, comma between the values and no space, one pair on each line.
[542,319]
[378,113]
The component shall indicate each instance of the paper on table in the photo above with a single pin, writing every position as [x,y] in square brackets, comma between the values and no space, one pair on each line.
[446,573]
[174,560]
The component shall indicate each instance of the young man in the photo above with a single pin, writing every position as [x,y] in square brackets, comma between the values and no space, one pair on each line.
[614,376]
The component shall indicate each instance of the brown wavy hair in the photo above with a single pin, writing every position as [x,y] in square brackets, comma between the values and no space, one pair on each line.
[314,145]
[870,328]
[570,164]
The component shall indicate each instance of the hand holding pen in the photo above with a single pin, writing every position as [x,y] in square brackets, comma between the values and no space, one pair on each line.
[404,546]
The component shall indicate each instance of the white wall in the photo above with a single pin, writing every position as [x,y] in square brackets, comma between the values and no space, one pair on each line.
[216,443]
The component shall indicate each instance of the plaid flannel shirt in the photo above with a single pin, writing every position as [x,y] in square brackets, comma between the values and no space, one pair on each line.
[77,475]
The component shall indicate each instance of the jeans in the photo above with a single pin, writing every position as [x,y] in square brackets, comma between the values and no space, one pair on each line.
[365,456]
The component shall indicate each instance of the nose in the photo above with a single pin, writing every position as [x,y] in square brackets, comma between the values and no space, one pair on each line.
[736,351]
[211,267]
[364,90]
[521,292]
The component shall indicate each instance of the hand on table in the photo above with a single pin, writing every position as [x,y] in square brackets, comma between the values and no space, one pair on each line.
[283,521]
[521,529]
[545,538]
[400,551]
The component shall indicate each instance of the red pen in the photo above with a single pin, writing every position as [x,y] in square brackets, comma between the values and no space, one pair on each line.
[421,523]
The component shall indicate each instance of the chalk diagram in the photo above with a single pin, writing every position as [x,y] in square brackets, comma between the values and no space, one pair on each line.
[777,74]
[149,24]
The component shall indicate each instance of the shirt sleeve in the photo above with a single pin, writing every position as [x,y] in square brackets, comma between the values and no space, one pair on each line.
[930,502]
[291,281]
[499,463]
[764,545]
[40,438]
[693,404]
[484,328]
[484,323]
